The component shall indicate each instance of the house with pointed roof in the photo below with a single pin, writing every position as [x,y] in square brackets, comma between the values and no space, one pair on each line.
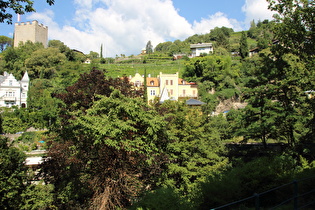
[12,91]
[166,87]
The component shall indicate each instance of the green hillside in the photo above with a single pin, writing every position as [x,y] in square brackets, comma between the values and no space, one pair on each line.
[153,68]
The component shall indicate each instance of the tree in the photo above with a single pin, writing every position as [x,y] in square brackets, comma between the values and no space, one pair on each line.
[18,7]
[221,36]
[108,154]
[89,86]
[42,106]
[295,28]
[15,57]
[149,48]
[5,42]
[243,45]
[145,96]
[195,147]
[101,53]
[44,63]
[12,175]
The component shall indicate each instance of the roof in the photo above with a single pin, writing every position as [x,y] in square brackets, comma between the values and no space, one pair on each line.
[194,102]
[33,161]
[199,45]
[25,77]
[155,80]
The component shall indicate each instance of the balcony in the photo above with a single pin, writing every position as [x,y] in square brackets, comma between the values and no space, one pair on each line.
[9,98]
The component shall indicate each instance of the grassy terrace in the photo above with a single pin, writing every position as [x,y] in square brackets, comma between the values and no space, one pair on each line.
[153,67]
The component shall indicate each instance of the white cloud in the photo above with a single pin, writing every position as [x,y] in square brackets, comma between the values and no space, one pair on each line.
[219,19]
[256,10]
[124,27]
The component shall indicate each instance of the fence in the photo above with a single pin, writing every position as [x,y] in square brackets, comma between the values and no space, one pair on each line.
[299,194]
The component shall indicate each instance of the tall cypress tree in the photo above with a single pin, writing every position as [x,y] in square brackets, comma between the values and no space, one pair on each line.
[145,98]
[101,54]
[243,45]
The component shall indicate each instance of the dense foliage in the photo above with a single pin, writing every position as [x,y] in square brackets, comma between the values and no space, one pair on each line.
[107,148]
[16,6]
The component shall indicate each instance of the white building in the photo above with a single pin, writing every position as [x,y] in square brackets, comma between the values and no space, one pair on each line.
[12,91]
[198,49]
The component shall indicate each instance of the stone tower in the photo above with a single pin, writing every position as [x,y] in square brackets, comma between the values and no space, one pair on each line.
[30,31]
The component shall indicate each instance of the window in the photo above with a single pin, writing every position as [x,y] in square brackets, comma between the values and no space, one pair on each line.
[152,92]
[184,92]
[171,92]
[23,95]
[137,83]
[171,82]
[10,94]
[152,82]
[194,93]
[166,82]
[10,82]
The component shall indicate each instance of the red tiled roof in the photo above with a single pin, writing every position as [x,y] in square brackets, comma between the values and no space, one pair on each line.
[154,80]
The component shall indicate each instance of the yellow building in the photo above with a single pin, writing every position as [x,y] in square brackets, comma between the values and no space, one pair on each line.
[30,31]
[166,87]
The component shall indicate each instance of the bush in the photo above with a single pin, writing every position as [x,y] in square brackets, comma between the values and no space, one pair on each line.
[163,198]
[246,179]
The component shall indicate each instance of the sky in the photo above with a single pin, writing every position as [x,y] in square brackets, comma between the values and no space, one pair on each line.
[125,26]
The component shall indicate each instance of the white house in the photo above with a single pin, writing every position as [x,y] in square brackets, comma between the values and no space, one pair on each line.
[200,48]
[12,91]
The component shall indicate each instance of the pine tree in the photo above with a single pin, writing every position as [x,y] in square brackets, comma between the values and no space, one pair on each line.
[243,45]
[149,48]
[101,53]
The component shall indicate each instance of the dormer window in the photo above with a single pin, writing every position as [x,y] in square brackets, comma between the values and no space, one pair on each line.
[152,82]
[137,83]
[10,82]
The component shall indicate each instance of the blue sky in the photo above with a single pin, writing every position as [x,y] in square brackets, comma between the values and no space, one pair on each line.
[125,26]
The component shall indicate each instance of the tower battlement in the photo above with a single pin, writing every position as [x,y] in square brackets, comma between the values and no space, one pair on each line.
[34,22]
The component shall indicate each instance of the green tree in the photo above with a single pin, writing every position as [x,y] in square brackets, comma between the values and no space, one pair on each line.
[149,48]
[12,175]
[243,45]
[12,121]
[163,47]
[195,149]
[71,55]
[101,53]
[295,28]
[18,7]
[5,42]
[15,57]
[44,63]
[108,154]
[42,107]
[221,36]
[93,55]
[38,196]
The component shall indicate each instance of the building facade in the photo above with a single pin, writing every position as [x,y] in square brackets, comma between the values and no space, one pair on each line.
[12,91]
[201,48]
[166,87]
[30,31]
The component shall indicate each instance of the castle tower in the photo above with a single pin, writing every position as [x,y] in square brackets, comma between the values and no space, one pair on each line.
[30,31]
